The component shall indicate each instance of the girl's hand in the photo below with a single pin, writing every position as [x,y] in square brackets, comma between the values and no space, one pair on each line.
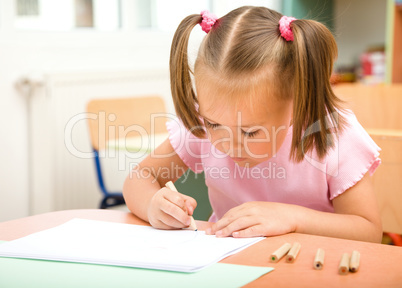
[253,219]
[170,209]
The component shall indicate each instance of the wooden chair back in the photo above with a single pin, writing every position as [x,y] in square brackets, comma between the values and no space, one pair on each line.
[375,106]
[378,108]
[125,117]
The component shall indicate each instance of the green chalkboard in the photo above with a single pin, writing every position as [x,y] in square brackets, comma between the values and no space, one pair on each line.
[193,185]
[319,10]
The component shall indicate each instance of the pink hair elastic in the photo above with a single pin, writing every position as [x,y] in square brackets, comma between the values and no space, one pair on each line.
[284,27]
[208,20]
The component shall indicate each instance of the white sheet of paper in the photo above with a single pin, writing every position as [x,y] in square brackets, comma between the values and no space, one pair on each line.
[99,242]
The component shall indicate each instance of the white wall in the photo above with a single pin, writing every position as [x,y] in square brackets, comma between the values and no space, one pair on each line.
[359,24]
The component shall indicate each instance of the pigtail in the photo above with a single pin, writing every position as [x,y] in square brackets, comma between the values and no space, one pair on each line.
[184,97]
[316,108]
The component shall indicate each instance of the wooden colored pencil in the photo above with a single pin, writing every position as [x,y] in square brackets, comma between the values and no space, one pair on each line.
[280,252]
[354,261]
[344,264]
[290,258]
[319,259]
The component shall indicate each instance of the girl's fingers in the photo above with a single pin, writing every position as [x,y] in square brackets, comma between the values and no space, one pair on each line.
[252,231]
[190,203]
[249,210]
[183,201]
[171,209]
[186,203]
[160,225]
[237,225]
[178,206]
[221,224]
[175,198]
[230,217]
[171,222]
[175,212]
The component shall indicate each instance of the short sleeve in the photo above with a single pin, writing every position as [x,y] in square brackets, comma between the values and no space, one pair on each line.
[355,155]
[186,145]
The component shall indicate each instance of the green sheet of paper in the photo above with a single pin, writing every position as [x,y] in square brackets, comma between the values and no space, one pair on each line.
[39,273]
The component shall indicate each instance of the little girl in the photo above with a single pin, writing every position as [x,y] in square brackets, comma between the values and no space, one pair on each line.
[259,117]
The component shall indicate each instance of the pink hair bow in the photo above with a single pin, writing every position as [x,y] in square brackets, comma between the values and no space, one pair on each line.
[208,20]
[284,27]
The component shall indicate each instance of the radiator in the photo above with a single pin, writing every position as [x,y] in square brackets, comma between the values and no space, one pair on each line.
[62,170]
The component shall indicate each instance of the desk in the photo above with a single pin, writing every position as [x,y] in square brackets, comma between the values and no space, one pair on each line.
[381,265]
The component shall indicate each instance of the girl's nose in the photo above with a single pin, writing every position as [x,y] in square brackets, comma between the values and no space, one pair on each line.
[233,146]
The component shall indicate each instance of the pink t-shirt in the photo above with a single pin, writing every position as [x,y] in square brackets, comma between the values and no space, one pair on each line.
[310,183]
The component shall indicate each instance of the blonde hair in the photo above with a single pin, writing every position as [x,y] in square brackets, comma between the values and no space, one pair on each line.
[246,42]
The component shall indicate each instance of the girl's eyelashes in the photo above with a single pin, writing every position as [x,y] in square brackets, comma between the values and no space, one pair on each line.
[245,133]
[211,125]
[250,134]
